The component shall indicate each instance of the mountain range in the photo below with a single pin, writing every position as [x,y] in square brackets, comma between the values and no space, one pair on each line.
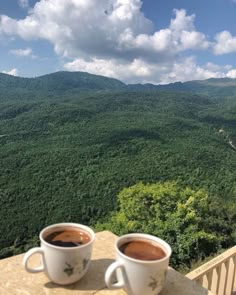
[82,81]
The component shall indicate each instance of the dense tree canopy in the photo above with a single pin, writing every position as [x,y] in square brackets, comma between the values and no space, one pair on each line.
[66,151]
[178,215]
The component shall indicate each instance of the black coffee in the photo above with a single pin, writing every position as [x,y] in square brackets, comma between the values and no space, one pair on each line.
[68,237]
[143,250]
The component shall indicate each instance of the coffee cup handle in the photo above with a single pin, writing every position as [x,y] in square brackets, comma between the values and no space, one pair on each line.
[110,272]
[28,255]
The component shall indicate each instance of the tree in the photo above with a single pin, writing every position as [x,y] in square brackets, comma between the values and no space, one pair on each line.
[171,212]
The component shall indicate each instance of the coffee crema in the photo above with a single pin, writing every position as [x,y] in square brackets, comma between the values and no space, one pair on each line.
[143,250]
[68,237]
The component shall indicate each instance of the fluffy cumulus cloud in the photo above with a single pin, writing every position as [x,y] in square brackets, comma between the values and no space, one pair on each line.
[113,38]
[136,70]
[147,72]
[225,43]
[231,74]
[181,71]
[13,72]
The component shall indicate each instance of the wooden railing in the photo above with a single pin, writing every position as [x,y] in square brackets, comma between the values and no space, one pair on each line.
[219,274]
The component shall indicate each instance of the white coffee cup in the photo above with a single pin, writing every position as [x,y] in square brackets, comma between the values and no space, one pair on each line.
[138,277]
[62,265]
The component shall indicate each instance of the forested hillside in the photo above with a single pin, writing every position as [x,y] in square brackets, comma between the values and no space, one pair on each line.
[66,154]
[70,82]
[211,87]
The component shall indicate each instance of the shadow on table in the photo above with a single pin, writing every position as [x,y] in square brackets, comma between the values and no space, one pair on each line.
[177,284]
[93,280]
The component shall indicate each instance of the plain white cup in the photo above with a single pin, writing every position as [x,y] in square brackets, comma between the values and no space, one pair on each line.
[62,265]
[138,277]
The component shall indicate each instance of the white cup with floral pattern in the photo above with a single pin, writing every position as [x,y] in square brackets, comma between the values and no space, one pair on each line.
[141,264]
[63,263]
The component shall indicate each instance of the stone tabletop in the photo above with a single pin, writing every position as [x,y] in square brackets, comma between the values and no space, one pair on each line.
[14,280]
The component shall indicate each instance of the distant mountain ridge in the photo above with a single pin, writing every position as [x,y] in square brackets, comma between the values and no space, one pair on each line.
[66,81]
[62,81]
[212,86]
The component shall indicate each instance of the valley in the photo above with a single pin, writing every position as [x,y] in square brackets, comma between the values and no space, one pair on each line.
[70,142]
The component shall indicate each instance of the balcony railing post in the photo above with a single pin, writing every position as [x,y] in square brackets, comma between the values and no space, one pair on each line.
[209,279]
[226,275]
[219,274]
[234,272]
[218,270]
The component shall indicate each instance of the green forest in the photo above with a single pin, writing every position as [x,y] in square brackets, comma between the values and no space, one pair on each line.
[76,147]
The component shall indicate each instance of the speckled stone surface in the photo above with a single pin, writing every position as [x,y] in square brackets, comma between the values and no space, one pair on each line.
[14,280]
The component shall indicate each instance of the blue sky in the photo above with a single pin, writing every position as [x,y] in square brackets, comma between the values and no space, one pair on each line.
[135,41]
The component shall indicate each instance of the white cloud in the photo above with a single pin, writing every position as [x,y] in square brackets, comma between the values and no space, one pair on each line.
[225,43]
[182,21]
[231,74]
[190,40]
[23,52]
[13,72]
[178,37]
[127,71]
[105,28]
[148,72]
[188,69]
[23,3]
[96,66]
[114,38]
